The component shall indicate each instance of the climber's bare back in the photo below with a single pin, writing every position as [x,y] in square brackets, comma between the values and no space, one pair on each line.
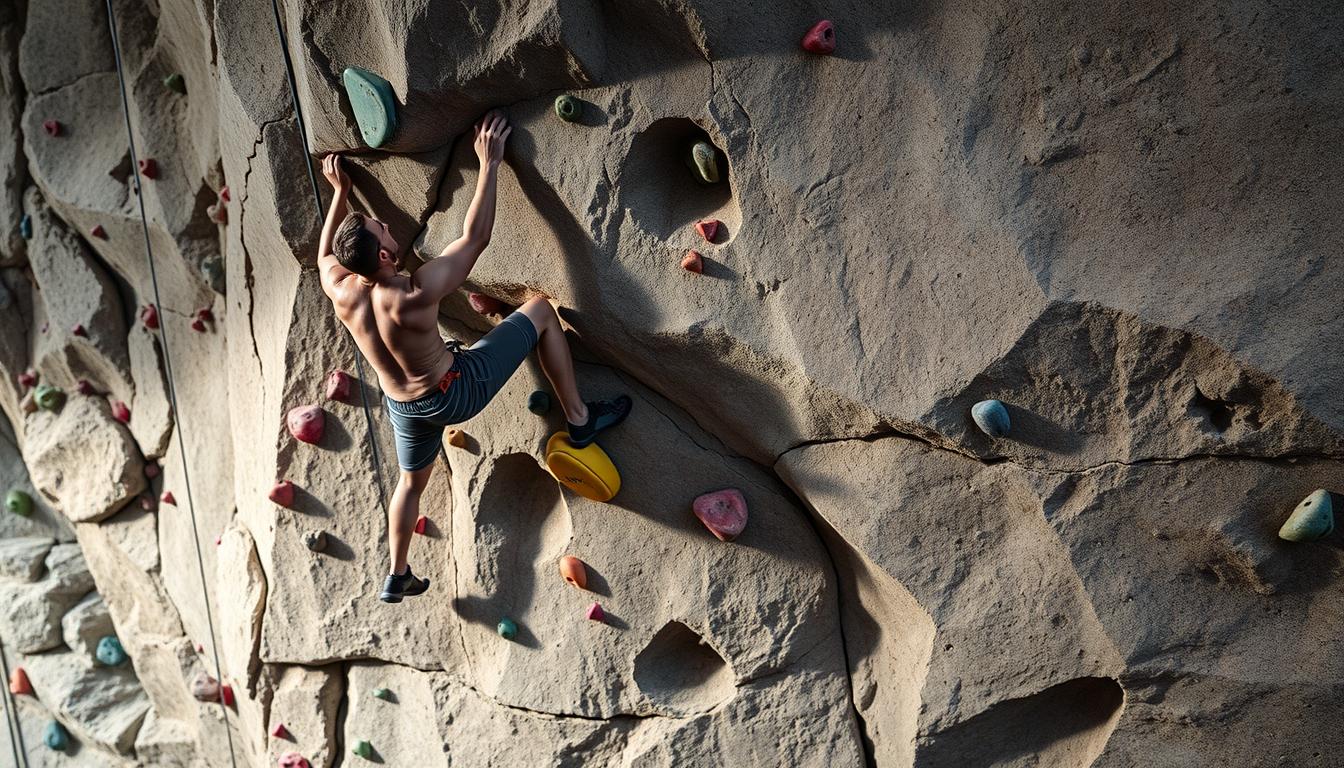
[396,326]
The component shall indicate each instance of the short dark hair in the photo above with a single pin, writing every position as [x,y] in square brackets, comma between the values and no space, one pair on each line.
[356,248]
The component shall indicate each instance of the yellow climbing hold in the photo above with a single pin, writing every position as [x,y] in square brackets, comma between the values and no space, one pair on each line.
[586,471]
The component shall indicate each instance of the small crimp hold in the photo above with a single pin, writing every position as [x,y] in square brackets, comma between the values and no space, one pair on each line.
[595,612]
[280,731]
[820,39]
[339,385]
[693,262]
[49,398]
[56,737]
[574,571]
[315,540]
[78,329]
[420,523]
[991,417]
[506,628]
[52,127]
[109,652]
[19,684]
[306,423]
[457,438]
[83,387]
[382,693]
[26,227]
[149,316]
[175,83]
[363,749]
[19,502]
[705,160]
[167,498]
[282,493]
[567,108]
[708,229]
[294,760]
[28,379]
[149,167]
[98,232]
[121,412]
[723,512]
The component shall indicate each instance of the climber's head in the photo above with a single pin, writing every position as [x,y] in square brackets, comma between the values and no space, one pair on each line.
[364,245]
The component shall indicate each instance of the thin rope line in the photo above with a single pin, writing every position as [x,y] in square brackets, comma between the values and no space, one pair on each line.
[317,198]
[168,365]
[12,722]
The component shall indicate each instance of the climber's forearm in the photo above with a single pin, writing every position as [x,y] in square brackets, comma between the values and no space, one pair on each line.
[480,221]
[335,214]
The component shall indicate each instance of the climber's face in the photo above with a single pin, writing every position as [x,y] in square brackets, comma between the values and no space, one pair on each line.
[389,253]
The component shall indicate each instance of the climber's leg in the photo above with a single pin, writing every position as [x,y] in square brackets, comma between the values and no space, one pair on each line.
[401,515]
[585,420]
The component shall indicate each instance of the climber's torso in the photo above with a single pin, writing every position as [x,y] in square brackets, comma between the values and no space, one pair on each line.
[397,329]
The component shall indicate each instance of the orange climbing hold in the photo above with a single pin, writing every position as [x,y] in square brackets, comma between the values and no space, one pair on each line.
[573,570]
[692,262]
[338,385]
[19,684]
[306,423]
[485,305]
[457,438]
[149,168]
[52,127]
[820,38]
[282,493]
[708,229]
[420,524]
[167,498]
[121,412]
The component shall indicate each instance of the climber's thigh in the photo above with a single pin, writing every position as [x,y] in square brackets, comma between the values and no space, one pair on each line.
[417,435]
[488,363]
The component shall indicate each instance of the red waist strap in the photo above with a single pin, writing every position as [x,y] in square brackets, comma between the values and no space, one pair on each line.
[447,380]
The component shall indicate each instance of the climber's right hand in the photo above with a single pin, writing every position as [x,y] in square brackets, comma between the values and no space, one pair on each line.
[331,168]
[491,133]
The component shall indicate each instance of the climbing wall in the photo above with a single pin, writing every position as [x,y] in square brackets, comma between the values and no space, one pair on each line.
[985,362]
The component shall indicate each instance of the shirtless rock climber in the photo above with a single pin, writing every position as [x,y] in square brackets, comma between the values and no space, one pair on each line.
[428,385]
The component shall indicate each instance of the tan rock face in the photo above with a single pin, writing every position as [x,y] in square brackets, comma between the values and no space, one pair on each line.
[1121,226]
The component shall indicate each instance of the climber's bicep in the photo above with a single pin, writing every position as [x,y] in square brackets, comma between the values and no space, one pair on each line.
[441,276]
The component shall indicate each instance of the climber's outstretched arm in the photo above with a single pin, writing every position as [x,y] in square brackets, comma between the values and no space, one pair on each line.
[330,269]
[441,276]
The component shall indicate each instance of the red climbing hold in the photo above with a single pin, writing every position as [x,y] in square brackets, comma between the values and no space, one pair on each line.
[420,524]
[205,315]
[167,498]
[19,684]
[28,379]
[820,38]
[224,194]
[151,470]
[282,493]
[148,168]
[338,385]
[83,387]
[485,305]
[198,326]
[52,127]
[219,540]
[121,412]
[708,229]
[280,731]
[306,423]
[98,232]
[218,213]
[149,315]
[293,760]
[79,330]
[724,512]
[595,612]
[692,262]
[226,694]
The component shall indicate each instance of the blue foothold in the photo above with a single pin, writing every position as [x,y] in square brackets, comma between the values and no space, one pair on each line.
[110,652]
[56,737]
[991,417]
[26,227]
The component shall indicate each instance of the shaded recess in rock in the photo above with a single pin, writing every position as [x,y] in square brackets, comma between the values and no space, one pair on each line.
[661,188]
[681,674]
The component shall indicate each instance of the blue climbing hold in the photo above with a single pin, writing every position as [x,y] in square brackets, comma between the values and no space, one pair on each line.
[56,737]
[991,417]
[1313,519]
[373,104]
[507,629]
[110,652]
[26,227]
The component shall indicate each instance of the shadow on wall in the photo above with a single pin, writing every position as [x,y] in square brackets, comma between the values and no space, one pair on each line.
[1064,726]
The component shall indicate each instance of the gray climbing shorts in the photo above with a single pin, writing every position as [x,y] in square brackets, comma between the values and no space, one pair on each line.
[482,369]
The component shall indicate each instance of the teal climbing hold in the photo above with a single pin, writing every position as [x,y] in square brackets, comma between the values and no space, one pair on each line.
[382,693]
[539,403]
[49,398]
[19,503]
[567,108]
[175,82]
[507,629]
[26,227]
[373,104]
[109,652]
[1313,519]
[705,161]
[991,417]
[55,737]
[363,749]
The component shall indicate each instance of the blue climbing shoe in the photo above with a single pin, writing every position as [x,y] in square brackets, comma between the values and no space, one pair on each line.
[602,414]
[405,585]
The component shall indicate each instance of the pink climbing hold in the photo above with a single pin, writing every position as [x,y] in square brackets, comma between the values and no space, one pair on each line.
[79,330]
[280,731]
[52,127]
[205,315]
[151,470]
[708,229]
[224,194]
[121,412]
[306,423]
[148,168]
[282,493]
[226,694]
[198,326]
[293,760]
[149,315]
[167,498]
[820,38]
[595,612]
[200,648]
[485,305]
[19,684]
[28,379]
[218,213]
[98,232]
[83,387]
[692,262]
[338,385]
[420,524]
[724,513]
[146,503]
[219,540]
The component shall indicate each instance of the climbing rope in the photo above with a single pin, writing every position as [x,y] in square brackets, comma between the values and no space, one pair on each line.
[15,727]
[168,365]
[317,198]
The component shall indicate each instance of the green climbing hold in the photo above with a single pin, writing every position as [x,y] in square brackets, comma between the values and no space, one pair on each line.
[363,749]
[19,503]
[55,737]
[26,227]
[567,108]
[109,652]
[507,629]
[382,693]
[372,102]
[49,398]
[175,82]
[705,160]
[1313,519]
[539,403]
[991,416]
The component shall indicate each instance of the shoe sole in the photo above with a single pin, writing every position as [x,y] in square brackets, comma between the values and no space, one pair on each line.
[392,597]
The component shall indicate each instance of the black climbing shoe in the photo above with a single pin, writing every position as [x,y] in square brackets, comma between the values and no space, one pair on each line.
[405,585]
[601,415]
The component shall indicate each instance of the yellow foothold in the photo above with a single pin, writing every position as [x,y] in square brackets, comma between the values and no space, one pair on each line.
[586,471]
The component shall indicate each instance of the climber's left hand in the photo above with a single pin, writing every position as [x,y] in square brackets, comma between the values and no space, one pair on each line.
[331,168]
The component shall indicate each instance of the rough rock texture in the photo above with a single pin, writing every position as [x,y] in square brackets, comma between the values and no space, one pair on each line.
[1123,223]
